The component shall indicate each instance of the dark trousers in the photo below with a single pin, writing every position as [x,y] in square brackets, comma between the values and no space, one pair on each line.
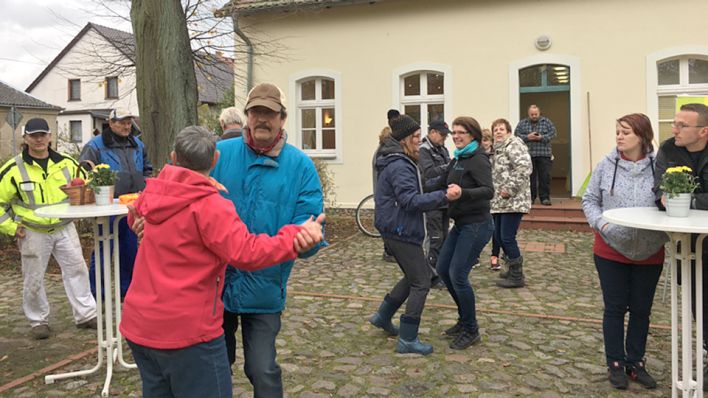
[128,249]
[258,334]
[415,284]
[541,176]
[462,247]
[506,225]
[437,223]
[626,287]
[200,370]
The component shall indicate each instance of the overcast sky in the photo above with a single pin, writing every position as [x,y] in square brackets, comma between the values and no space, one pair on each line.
[33,32]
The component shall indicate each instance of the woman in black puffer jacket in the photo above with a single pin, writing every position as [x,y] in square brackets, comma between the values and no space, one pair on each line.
[399,217]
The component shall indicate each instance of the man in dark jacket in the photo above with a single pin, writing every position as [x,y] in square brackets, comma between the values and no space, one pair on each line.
[432,161]
[125,154]
[688,147]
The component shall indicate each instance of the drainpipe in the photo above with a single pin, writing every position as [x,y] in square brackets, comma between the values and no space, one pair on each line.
[249,52]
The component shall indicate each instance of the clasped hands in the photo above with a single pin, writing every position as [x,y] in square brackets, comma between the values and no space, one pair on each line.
[453,192]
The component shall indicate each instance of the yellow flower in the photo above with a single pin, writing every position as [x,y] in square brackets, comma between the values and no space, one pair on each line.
[102,166]
[679,169]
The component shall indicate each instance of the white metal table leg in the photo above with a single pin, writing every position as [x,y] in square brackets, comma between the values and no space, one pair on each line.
[116,260]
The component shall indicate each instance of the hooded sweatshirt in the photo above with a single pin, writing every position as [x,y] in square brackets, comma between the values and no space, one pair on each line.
[617,182]
[191,233]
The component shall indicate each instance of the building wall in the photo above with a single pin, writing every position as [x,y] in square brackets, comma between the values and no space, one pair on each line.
[6,143]
[92,59]
[478,41]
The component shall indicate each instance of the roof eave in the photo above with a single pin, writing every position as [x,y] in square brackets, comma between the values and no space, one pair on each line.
[231,9]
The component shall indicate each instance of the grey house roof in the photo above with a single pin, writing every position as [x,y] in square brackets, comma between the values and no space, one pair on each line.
[10,96]
[213,81]
[257,6]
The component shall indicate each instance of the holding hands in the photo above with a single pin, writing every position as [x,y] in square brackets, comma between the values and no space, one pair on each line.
[453,192]
[310,234]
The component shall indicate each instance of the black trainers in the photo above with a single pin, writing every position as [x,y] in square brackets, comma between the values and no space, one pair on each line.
[465,339]
[638,373]
[453,331]
[617,376]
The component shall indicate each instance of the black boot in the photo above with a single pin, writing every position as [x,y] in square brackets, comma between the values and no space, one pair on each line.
[408,342]
[516,274]
[504,262]
[382,318]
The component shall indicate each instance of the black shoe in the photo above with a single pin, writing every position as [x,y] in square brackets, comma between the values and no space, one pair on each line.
[638,373]
[546,202]
[453,331]
[465,339]
[617,376]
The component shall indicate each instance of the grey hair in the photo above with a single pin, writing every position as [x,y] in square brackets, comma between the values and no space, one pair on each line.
[194,148]
[231,115]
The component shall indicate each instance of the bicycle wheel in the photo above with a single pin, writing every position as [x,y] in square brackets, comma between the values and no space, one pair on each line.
[365,217]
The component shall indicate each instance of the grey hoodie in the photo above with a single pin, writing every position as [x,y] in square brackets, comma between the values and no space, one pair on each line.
[633,182]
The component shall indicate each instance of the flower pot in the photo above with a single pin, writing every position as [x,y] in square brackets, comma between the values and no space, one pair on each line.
[104,195]
[679,205]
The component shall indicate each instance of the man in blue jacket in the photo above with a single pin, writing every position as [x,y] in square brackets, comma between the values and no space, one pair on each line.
[272,184]
[120,149]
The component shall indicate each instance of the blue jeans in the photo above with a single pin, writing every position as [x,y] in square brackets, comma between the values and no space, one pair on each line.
[506,225]
[626,287]
[462,247]
[128,248]
[200,370]
[541,177]
[258,333]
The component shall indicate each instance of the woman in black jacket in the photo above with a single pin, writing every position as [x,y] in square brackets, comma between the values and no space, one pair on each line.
[471,170]
[400,204]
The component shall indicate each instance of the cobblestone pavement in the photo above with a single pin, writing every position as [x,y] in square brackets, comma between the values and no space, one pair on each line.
[544,340]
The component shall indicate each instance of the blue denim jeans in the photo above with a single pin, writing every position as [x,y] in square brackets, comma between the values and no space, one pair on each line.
[200,370]
[128,247]
[258,333]
[506,225]
[626,287]
[462,247]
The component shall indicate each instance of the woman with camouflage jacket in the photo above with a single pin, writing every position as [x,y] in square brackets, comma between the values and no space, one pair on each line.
[511,168]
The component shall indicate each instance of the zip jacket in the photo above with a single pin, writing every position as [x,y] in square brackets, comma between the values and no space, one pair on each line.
[191,233]
[670,155]
[616,183]
[511,168]
[269,192]
[126,156]
[400,201]
[25,187]
[473,173]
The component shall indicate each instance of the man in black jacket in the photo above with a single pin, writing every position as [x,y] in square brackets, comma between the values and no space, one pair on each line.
[432,161]
[689,147]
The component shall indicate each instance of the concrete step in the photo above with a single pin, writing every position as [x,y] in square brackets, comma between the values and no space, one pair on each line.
[555,223]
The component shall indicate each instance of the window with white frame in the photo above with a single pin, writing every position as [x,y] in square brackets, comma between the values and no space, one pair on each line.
[685,75]
[423,96]
[75,131]
[112,87]
[316,116]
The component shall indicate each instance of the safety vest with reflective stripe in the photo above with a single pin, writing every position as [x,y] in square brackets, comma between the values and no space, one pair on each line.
[25,187]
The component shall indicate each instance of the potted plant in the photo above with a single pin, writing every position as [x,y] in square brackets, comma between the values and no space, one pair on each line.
[102,180]
[678,183]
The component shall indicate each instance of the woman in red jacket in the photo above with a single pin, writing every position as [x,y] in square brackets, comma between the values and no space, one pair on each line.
[172,314]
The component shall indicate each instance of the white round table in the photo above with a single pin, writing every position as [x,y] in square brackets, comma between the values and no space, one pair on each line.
[109,344]
[679,230]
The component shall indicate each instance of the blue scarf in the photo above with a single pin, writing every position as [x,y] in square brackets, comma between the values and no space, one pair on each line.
[469,148]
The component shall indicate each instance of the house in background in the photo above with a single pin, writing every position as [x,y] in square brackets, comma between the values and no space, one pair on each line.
[28,107]
[95,73]
[343,63]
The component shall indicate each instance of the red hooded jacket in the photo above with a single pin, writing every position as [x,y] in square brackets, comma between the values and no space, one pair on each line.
[191,233]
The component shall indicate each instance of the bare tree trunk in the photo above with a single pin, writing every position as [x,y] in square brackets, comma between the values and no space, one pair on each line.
[166,83]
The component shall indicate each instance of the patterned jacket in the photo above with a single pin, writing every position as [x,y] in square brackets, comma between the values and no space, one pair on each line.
[511,168]
[543,126]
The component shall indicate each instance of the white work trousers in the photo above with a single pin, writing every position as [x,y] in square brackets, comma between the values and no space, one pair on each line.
[64,245]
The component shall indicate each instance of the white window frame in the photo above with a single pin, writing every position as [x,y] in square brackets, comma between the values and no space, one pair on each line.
[71,131]
[295,105]
[398,89]
[654,90]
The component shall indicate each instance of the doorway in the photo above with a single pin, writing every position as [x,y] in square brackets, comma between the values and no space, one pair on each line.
[548,87]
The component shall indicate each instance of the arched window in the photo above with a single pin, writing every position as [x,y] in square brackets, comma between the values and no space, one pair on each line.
[318,126]
[679,76]
[422,96]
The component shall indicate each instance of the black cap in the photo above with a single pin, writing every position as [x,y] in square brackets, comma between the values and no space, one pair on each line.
[36,125]
[440,126]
